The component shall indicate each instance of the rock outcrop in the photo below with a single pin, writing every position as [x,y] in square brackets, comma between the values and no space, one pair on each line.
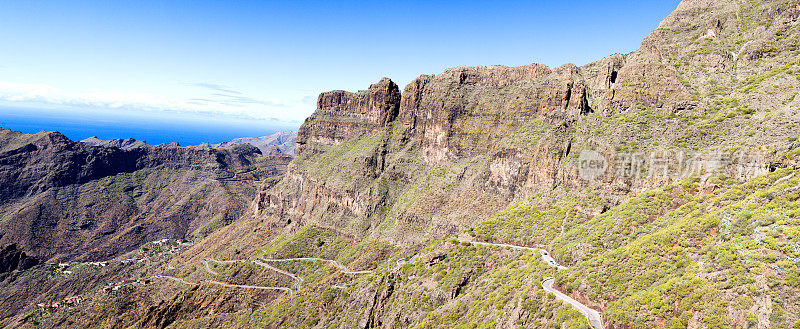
[465,112]
[13,259]
[342,116]
[575,158]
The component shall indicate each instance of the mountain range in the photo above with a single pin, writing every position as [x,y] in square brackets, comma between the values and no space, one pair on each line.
[655,189]
[281,142]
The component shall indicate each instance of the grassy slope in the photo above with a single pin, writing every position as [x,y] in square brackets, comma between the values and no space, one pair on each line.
[452,285]
[723,253]
[713,252]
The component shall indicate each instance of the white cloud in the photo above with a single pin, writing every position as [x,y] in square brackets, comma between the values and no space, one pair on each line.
[214,100]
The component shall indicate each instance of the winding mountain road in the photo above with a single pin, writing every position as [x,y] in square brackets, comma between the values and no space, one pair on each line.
[209,270]
[298,280]
[545,255]
[288,290]
[262,262]
[401,262]
[313,259]
[174,279]
[594,317]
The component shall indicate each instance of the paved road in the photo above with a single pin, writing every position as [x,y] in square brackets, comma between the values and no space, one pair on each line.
[262,262]
[313,259]
[298,280]
[287,290]
[401,262]
[209,270]
[545,255]
[593,316]
[346,271]
[174,279]
[550,261]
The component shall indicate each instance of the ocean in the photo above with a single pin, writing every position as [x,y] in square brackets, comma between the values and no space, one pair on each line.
[153,127]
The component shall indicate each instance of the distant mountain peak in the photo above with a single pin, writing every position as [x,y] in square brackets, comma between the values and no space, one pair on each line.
[125,144]
[282,142]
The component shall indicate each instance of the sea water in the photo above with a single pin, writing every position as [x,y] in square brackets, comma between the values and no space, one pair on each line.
[152,127]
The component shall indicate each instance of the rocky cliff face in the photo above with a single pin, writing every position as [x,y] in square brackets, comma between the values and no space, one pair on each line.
[679,99]
[391,140]
[64,199]
[34,163]
[465,111]
[343,116]
[713,91]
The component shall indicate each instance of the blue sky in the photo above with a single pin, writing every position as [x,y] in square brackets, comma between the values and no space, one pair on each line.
[267,61]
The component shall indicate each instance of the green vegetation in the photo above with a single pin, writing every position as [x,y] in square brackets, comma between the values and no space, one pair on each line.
[218,221]
[667,255]
[525,225]
[527,137]
[344,164]
[481,287]
[313,241]
[754,82]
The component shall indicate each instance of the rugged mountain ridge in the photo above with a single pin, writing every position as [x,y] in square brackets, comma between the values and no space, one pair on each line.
[663,181]
[276,144]
[343,116]
[65,199]
[284,142]
[125,144]
[524,128]
[711,92]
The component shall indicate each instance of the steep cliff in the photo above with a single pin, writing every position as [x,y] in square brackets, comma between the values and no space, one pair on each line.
[499,134]
[711,95]
[343,116]
[13,259]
